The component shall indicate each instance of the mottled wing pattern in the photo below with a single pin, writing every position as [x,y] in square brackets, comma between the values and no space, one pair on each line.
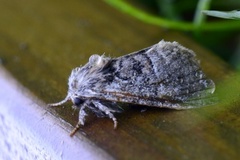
[164,75]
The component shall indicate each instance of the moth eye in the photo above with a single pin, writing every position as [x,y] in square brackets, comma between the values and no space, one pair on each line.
[78,101]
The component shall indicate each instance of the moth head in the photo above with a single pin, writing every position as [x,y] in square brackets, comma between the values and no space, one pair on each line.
[72,88]
[82,78]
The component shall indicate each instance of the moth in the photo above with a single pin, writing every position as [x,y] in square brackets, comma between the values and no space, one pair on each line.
[164,75]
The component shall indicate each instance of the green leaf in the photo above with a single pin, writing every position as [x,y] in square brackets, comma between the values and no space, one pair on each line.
[235,14]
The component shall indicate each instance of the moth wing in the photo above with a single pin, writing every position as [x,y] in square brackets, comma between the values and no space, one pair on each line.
[164,75]
[166,102]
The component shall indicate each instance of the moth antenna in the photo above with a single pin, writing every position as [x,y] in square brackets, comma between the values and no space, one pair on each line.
[59,103]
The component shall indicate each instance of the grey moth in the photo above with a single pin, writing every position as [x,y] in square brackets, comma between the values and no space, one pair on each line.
[165,75]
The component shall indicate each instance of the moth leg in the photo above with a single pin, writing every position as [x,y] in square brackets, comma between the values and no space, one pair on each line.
[106,110]
[81,119]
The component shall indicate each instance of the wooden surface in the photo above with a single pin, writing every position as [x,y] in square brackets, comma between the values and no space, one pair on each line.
[41,41]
